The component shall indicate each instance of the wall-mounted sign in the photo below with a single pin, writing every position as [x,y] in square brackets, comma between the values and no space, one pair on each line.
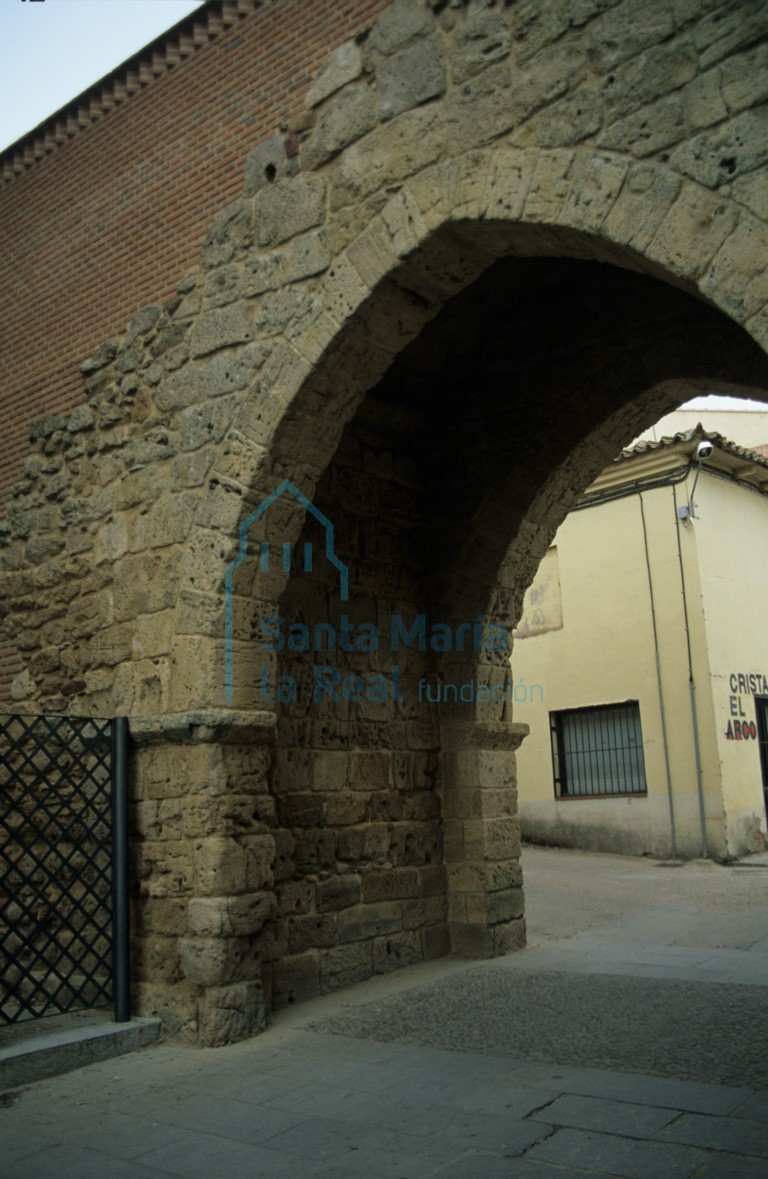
[744,687]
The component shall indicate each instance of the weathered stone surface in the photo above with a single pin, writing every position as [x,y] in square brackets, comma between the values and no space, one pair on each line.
[537,25]
[311,931]
[337,892]
[484,38]
[398,24]
[618,35]
[221,374]
[715,157]
[411,78]
[346,118]
[396,951]
[295,977]
[693,230]
[215,917]
[542,81]
[344,65]
[220,327]
[648,130]
[650,76]
[266,164]
[287,208]
[343,966]
[230,1013]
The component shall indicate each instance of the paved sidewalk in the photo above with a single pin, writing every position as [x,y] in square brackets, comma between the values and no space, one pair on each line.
[558,1062]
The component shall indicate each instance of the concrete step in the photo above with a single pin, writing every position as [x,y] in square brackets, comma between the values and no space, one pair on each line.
[34,1049]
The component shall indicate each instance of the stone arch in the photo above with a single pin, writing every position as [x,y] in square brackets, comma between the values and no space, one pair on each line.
[413,183]
[431,240]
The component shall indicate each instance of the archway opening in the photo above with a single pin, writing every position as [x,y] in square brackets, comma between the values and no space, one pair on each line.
[393,771]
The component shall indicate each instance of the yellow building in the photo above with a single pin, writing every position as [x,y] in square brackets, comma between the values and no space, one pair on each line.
[642,658]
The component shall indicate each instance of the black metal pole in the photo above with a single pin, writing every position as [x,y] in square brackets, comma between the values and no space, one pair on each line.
[121,947]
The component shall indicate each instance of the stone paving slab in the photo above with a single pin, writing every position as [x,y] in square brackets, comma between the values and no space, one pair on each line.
[609,1154]
[297,1103]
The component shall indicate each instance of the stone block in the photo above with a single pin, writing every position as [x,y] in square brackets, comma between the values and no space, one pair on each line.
[231,1013]
[715,157]
[646,197]
[483,38]
[337,892]
[344,65]
[347,117]
[219,328]
[156,959]
[370,771]
[648,130]
[266,164]
[392,884]
[343,966]
[173,1004]
[195,383]
[311,932]
[386,156]
[295,977]
[287,208]
[295,896]
[548,76]
[163,869]
[550,185]
[221,866]
[400,22]
[612,38]
[595,185]
[703,100]
[411,77]
[214,961]
[574,118]
[537,25]
[165,915]
[745,78]
[366,921]
[494,907]
[435,941]
[463,877]
[314,849]
[415,843]
[508,937]
[343,810]
[424,911]
[230,233]
[300,810]
[471,941]
[692,232]
[396,951]
[214,917]
[329,770]
[737,280]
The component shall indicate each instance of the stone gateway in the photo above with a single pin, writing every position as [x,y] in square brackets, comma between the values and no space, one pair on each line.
[502,240]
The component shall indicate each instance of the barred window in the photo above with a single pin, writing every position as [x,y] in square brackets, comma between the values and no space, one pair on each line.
[598,752]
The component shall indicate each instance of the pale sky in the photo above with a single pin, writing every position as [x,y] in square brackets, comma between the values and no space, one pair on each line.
[52,50]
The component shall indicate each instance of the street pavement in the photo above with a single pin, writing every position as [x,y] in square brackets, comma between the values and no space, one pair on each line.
[630,1039]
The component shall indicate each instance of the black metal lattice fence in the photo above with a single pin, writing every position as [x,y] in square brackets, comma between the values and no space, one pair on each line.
[63,866]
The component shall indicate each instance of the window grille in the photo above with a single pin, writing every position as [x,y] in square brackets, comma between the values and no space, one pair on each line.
[598,752]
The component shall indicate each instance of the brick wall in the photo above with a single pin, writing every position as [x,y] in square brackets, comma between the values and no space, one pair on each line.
[110,220]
